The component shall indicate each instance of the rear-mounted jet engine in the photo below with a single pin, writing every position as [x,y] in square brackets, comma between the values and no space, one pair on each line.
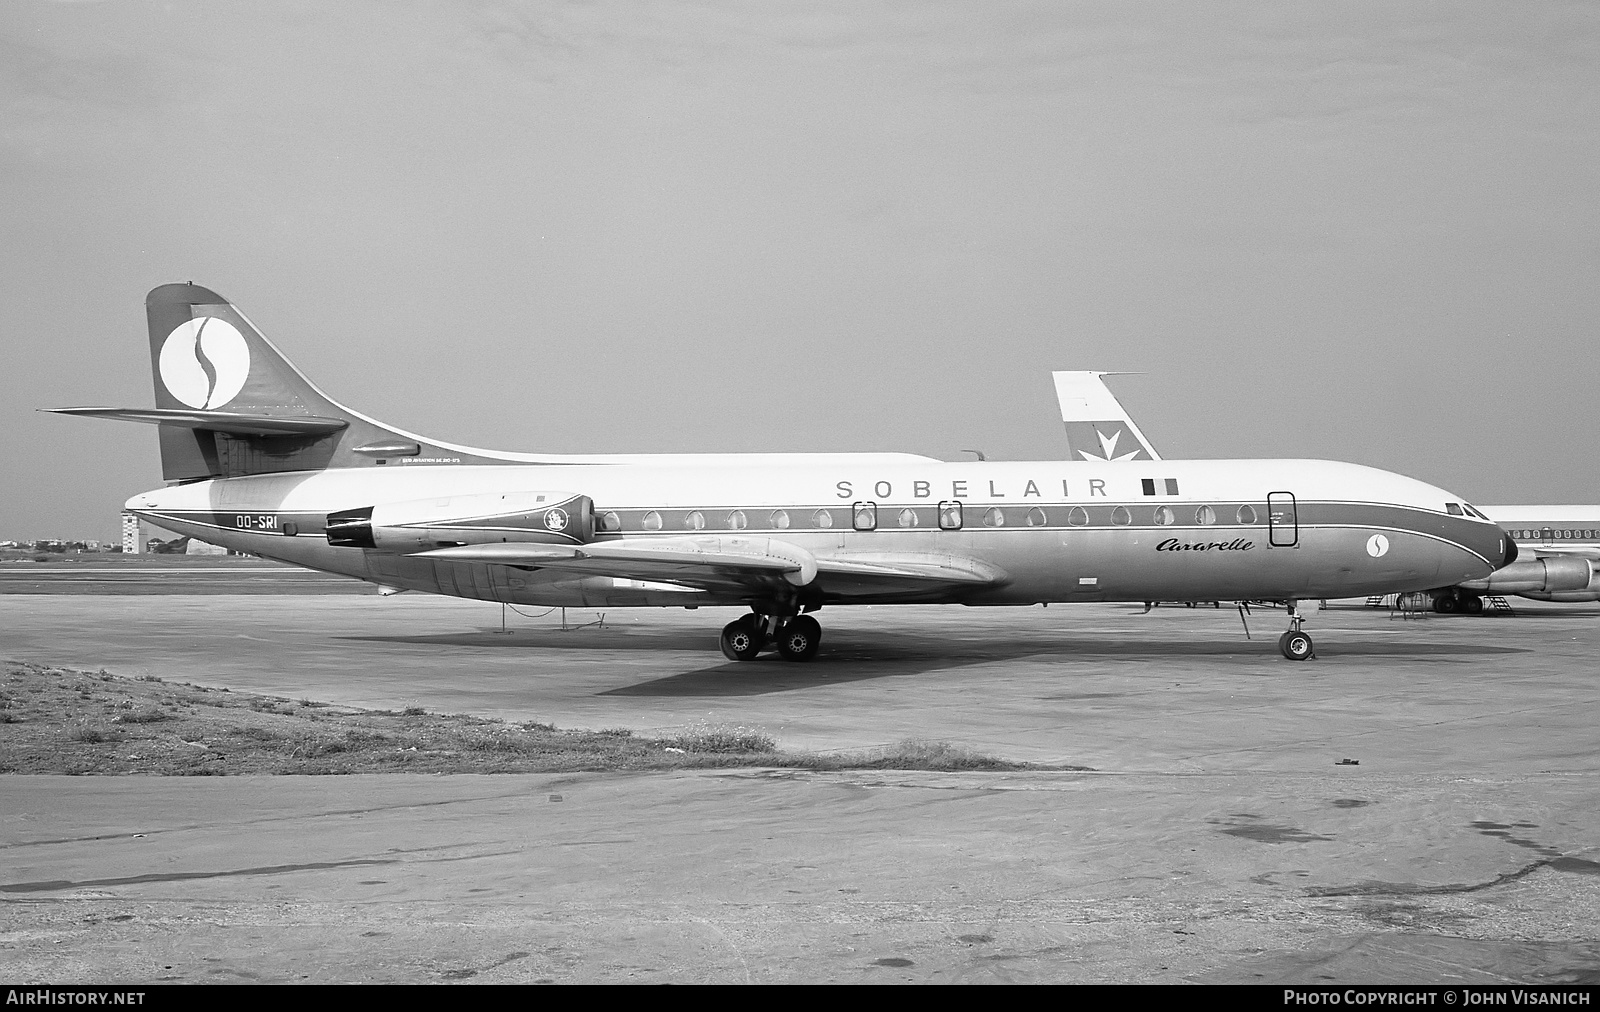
[421,525]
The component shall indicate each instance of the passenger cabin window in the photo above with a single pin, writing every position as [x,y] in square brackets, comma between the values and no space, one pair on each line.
[610,521]
[1078,517]
[652,521]
[907,518]
[695,521]
[950,516]
[822,518]
[1165,517]
[994,517]
[1036,517]
[1205,516]
[780,520]
[737,521]
[864,516]
[1121,517]
[1247,514]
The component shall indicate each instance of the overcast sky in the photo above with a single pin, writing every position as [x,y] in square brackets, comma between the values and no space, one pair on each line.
[1360,231]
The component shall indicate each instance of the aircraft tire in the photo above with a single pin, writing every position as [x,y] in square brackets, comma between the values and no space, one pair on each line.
[1295,645]
[742,639]
[1446,604]
[799,638]
[1472,605]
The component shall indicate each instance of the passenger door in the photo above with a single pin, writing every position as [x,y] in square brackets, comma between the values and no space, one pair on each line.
[1283,520]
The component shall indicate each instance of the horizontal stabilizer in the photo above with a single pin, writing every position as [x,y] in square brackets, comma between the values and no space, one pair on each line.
[230,422]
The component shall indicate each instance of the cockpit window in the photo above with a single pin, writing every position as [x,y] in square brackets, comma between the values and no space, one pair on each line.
[1454,509]
[1472,511]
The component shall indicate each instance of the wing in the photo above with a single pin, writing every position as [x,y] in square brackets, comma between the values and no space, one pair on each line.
[743,566]
[1570,551]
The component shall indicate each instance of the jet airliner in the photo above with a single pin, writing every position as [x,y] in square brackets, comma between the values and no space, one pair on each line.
[1557,546]
[260,460]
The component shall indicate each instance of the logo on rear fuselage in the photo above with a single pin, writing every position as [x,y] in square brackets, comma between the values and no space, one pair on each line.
[205,362]
[556,519]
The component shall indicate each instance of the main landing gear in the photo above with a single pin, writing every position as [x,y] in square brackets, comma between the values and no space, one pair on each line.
[1295,644]
[796,638]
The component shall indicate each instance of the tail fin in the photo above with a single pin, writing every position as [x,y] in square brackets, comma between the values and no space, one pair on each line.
[1098,427]
[228,403]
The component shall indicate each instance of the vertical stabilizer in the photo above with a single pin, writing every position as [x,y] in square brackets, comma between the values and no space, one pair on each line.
[229,404]
[1098,427]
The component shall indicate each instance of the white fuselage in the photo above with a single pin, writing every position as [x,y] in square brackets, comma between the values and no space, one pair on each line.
[1052,530]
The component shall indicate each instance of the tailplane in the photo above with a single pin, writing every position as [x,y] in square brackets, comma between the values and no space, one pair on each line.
[1098,427]
[229,404]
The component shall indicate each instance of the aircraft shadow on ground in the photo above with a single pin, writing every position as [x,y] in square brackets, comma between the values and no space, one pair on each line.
[851,656]
[887,657]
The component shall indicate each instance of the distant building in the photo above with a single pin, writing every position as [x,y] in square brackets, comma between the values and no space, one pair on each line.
[132,535]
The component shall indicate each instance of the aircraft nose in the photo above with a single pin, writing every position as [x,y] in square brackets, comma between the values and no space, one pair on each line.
[1511,549]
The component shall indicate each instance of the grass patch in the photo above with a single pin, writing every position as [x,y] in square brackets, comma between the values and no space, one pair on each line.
[720,739]
[60,722]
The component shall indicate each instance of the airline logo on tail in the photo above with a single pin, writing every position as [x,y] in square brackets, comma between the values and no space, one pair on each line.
[1109,435]
[1098,426]
[205,362]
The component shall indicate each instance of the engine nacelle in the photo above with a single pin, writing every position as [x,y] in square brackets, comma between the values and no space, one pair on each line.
[1589,593]
[420,525]
[1536,576]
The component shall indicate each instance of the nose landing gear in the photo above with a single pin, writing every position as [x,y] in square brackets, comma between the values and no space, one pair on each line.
[1295,644]
[796,638]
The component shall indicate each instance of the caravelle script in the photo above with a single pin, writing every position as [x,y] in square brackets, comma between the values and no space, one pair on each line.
[1174,545]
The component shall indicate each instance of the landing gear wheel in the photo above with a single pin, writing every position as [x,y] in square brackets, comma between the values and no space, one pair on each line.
[1472,605]
[799,638]
[742,639]
[1447,604]
[1295,645]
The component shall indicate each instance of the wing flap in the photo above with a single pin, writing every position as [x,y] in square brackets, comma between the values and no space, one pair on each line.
[955,570]
[723,563]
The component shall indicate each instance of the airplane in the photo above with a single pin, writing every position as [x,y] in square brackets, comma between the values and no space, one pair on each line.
[258,459]
[1557,546]
[1096,421]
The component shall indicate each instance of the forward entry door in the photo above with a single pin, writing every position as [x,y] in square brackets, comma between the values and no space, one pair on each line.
[1283,521]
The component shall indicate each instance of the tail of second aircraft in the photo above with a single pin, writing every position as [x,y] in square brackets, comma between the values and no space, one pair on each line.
[1098,427]
[228,403]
